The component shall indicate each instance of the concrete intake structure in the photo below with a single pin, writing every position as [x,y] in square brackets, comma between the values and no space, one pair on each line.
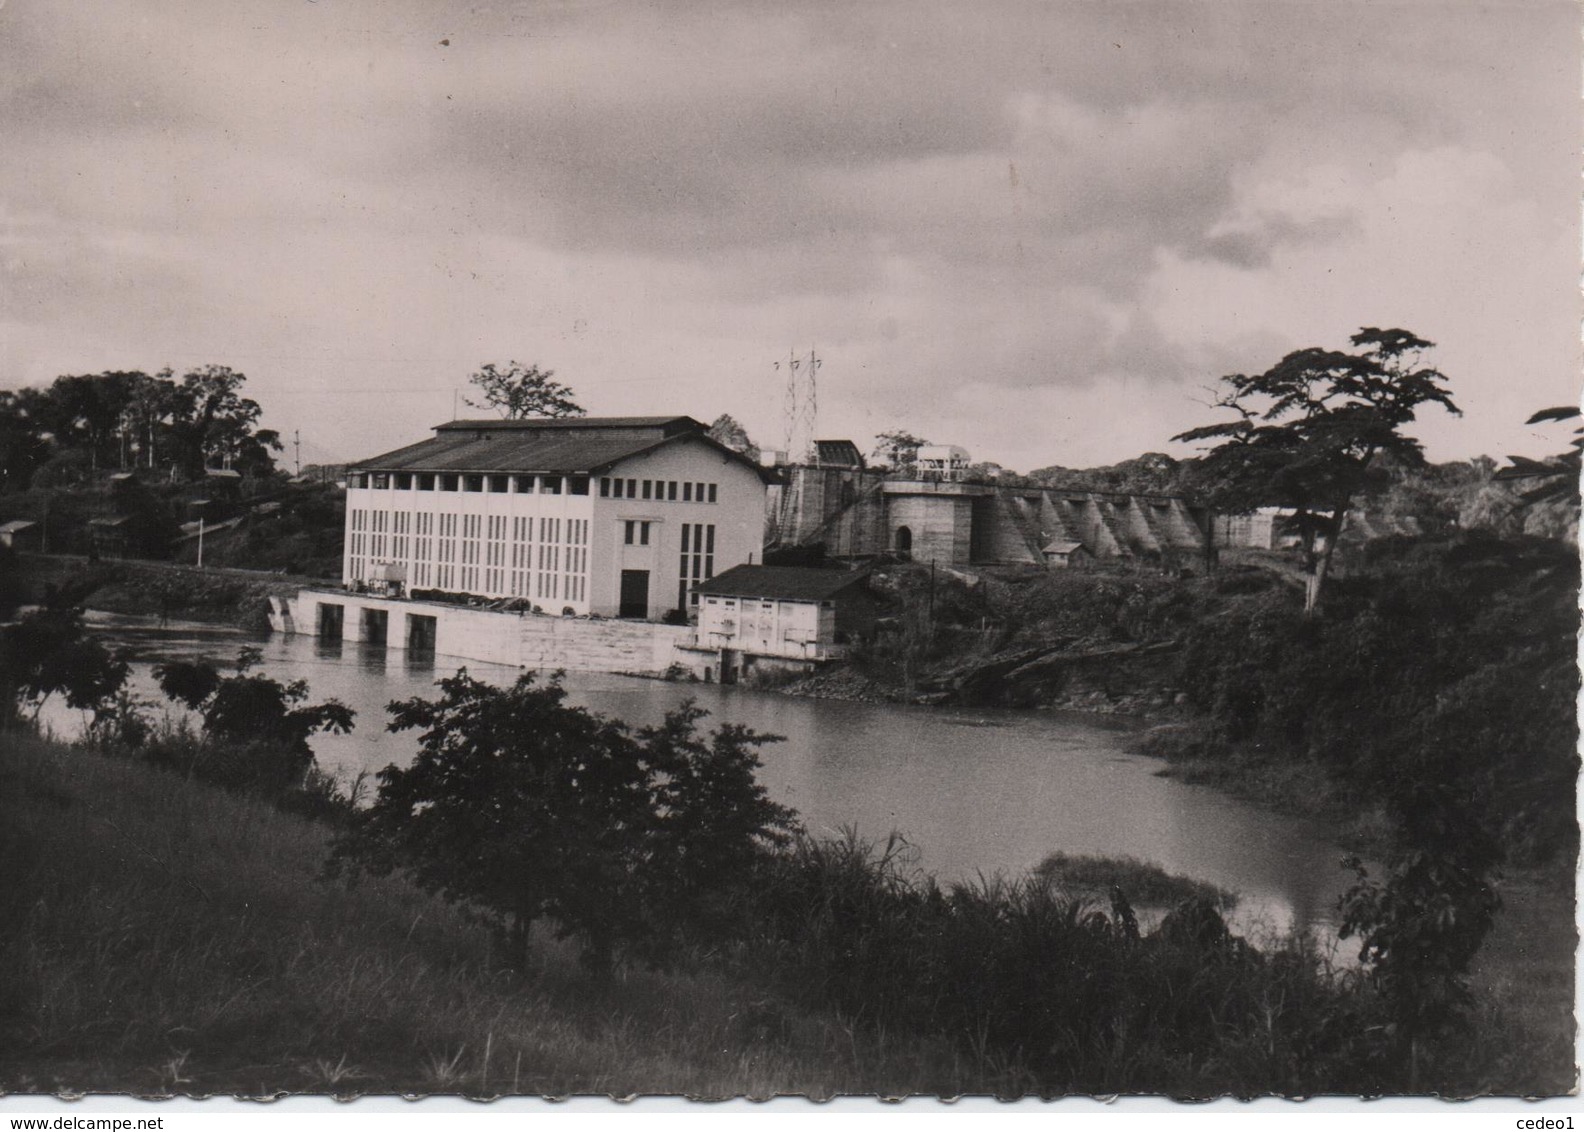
[858,512]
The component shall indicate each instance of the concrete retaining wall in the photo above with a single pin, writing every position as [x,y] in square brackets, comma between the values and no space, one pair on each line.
[523,640]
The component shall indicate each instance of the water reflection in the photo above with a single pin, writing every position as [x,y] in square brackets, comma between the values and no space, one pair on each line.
[977,792]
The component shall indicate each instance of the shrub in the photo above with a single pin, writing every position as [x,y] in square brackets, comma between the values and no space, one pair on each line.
[524,808]
[1063,994]
[48,652]
[255,729]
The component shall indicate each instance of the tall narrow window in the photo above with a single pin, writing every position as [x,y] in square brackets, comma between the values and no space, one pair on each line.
[682,569]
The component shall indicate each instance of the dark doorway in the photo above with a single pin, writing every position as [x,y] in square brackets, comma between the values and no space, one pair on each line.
[331,618]
[904,541]
[421,633]
[634,594]
[376,626]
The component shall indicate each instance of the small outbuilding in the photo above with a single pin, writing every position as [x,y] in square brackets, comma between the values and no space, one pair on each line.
[1064,553]
[109,535]
[787,618]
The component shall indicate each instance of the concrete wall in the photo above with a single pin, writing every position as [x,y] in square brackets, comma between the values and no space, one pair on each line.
[941,525]
[962,524]
[523,640]
[738,516]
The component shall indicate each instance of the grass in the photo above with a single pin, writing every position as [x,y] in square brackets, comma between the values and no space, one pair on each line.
[161,937]
[1144,883]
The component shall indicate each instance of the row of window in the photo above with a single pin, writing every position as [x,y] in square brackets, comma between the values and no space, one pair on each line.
[669,491]
[530,557]
[495,483]
[698,561]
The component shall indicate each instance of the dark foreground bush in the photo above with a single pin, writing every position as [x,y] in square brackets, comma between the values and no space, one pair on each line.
[1066,996]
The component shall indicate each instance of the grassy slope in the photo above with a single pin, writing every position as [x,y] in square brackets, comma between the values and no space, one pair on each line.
[159,936]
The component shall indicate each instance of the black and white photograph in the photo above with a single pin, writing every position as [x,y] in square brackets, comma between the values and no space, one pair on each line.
[605,549]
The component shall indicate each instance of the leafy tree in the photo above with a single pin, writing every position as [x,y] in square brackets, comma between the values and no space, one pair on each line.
[146,420]
[526,808]
[727,431]
[25,442]
[1308,429]
[1419,931]
[257,727]
[213,424]
[897,448]
[1555,479]
[517,391]
[710,811]
[127,418]
[1153,473]
[47,652]
[85,410]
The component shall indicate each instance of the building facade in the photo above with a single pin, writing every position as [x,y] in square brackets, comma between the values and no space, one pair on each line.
[784,617]
[611,516]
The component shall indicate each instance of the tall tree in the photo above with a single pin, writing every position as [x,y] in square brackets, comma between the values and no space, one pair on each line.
[897,448]
[727,431]
[516,391]
[85,412]
[213,424]
[147,417]
[1307,430]
[25,441]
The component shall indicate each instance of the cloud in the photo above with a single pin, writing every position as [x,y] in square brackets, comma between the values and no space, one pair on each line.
[995,218]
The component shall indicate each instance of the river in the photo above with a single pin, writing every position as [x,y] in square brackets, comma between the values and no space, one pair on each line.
[974,791]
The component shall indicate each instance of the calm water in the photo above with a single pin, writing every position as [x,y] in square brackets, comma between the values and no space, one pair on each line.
[974,791]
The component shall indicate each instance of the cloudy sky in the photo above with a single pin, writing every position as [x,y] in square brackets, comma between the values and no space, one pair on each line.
[1038,230]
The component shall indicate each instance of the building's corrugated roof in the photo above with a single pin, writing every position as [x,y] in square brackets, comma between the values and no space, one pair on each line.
[560,445]
[838,453]
[784,583]
[670,425]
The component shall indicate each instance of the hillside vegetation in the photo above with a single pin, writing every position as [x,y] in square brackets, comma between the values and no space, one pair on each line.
[159,935]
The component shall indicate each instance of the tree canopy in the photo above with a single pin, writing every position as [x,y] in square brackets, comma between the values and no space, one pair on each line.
[897,448]
[81,423]
[48,651]
[733,435]
[1307,430]
[516,391]
[524,807]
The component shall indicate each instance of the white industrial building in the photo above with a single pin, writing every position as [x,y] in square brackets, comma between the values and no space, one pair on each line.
[612,516]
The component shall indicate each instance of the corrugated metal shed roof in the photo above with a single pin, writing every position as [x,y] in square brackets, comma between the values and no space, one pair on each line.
[838,453]
[784,583]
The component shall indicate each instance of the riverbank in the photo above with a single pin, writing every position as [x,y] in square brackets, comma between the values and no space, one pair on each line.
[157,589]
[159,936]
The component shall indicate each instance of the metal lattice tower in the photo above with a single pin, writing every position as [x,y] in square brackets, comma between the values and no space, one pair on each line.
[800,406]
[810,408]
